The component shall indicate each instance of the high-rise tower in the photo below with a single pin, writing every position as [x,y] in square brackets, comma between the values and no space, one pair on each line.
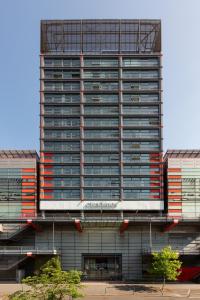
[101,115]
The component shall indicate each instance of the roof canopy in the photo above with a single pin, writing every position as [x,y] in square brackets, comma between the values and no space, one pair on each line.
[100,36]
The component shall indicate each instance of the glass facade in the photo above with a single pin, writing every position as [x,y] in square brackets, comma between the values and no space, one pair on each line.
[101,113]
[18,183]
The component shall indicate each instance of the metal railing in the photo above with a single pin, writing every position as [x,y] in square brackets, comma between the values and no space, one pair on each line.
[25,250]
[100,217]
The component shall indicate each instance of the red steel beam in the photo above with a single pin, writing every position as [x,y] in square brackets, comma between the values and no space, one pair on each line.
[124,226]
[170,226]
[78,225]
[34,226]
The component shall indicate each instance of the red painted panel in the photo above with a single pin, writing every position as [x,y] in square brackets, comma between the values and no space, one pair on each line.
[28,197]
[28,190]
[174,184]
[188,273]
[28,170]
[174,190]
[175,203]
[48,160]
[175,210]
[28,203]
[28,177]
[29,183]
[177,197]
[174,176]
[47,197]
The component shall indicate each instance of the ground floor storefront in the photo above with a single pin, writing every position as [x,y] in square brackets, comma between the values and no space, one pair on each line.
[101,251]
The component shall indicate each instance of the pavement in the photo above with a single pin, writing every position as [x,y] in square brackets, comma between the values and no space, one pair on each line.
[124,291]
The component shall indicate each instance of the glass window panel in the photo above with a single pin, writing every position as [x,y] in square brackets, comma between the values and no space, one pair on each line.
[61,122]
[106,86]
[141,122]
[102,110]
[101,98]
[61,146]
[103,62]
[140,62]
[100,122]
[101,146]
[103,158]
[101,133]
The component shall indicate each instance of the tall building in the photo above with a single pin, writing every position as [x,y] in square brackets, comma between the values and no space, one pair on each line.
[101,115]
[101,178]
[182,181]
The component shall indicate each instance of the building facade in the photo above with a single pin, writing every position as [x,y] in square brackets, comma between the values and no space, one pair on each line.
[18,183]
[101,115]
[101,202]
[182,174]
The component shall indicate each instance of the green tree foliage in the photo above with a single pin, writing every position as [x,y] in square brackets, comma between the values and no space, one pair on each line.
[166,265]
[51,283]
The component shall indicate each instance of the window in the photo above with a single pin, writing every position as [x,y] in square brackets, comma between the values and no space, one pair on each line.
[141,122]
[101,182]
[127,133]
[103,158]
[101,170]
[101,98]
[134,146]
[101,146]
[134,98]
[66,158]
[100,74]
[140,110]
[102,110]
[103,62]
[101,194]
[61,122]
[101,133]
[61,110]
[61,98]
[100,122]
[140,74]
[61,146]
[140,62]
[107,86]
[61,134]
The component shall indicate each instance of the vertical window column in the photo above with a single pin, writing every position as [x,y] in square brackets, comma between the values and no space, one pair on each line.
[120,128]
[81,130]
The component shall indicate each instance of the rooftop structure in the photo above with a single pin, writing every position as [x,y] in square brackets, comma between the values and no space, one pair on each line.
[101,36]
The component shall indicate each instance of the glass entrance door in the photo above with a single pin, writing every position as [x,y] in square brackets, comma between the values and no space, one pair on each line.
[102,267]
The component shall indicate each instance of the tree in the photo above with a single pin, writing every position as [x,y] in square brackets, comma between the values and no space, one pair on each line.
[166,264]
[51,283]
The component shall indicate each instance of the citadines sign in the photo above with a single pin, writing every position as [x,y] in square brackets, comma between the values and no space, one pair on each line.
[101,205]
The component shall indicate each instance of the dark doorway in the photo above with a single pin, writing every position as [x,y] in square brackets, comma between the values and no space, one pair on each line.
[102,266]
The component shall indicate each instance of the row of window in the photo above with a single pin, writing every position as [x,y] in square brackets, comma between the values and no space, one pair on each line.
[100,74]
[127,133]
[104,170]
[103,158]
[100,146]
[103,182]
[113,98]
[96,86]
[105,194]
[103,110]
[103,62]
[100,122]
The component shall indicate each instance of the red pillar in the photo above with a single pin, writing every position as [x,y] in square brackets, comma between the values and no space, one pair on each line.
[124,226]
[78,225]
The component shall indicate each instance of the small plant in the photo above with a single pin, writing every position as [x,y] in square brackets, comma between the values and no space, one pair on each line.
[51,283]
[166,264]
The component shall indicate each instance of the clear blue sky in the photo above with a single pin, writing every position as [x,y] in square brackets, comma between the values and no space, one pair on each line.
[19,68]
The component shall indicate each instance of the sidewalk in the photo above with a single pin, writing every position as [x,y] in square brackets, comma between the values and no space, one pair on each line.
[125,291]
